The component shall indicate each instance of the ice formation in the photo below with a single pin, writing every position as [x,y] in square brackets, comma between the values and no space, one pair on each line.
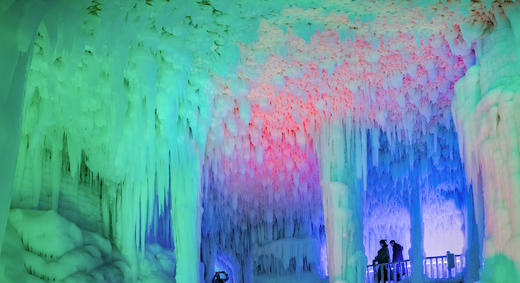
[61,251]
[486,116]
[266,138]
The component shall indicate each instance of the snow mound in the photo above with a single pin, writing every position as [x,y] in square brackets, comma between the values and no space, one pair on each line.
[44,246]
[45,233]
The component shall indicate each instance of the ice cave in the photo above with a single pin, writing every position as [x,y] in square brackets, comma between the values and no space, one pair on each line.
[260,141]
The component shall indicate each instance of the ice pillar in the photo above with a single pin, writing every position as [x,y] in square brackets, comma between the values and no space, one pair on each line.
[472,249]
[485,111]
[18,23]
[416,250]
[342,201]
[187,213]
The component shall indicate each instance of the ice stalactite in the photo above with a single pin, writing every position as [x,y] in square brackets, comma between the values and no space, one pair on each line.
[485,110]
[187,214]
[340,148]
[18,24]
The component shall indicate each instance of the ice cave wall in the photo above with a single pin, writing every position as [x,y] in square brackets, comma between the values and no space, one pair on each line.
[485,113]
[136,94]
[17,29]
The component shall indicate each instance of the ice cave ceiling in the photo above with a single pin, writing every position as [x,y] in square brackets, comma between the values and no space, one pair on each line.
[251,83]
[352,62]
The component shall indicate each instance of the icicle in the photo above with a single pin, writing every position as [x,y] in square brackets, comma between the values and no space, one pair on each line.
[374,134]
[56,169]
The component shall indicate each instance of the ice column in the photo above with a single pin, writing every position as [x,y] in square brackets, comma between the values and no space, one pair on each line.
[416,250]
[485,111]
[473,247]
[18,23]
[187,212]
[338,146]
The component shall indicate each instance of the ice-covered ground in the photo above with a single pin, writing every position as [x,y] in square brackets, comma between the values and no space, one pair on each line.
[298,278]
[42,246]
[311,278]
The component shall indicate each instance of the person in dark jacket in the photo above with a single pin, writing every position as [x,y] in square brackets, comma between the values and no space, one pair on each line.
[383,256]
[397,251]
[397,256]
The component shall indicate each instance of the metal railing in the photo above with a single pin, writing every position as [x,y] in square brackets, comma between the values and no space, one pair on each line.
[388,272]
[435,267]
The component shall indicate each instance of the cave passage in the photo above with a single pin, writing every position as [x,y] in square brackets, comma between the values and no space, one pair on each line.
[275,141]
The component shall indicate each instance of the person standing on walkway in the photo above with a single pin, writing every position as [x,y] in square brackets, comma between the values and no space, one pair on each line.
[383,257]
[397,257]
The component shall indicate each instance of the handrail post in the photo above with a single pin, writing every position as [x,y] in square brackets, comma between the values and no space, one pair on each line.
[439,271]
[392,272]
[430,268]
